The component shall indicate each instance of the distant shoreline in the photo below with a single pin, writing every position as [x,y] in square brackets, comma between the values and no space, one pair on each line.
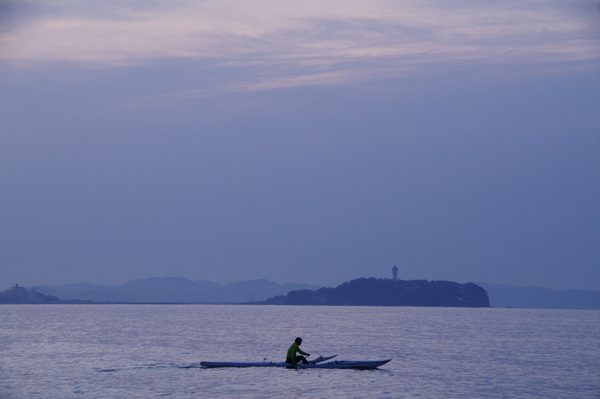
[179,291]
[266,304]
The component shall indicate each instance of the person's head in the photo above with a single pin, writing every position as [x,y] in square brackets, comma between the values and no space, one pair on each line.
[298,341]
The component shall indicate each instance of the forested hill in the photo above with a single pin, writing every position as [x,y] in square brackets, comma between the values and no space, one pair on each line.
[388,292]
[21,295]
[18,294]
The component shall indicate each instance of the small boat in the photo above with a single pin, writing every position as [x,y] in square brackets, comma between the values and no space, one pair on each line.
[319,363]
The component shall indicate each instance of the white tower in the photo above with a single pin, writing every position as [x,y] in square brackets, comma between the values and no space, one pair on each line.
[395,272]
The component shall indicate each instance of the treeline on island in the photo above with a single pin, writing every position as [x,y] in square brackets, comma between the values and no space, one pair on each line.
[22,295]
[389,292]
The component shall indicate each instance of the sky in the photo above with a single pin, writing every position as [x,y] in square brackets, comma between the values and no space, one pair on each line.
[313,141]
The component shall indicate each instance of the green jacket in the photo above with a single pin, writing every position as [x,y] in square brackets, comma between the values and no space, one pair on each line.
[291,353]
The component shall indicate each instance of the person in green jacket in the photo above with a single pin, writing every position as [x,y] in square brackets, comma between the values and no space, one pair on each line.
[291,353]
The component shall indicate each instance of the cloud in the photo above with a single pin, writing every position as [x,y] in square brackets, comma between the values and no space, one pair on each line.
[283,43]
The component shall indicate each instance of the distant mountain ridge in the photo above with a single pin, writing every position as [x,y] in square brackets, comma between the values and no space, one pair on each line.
[173,290]
[510,296]
[388,292]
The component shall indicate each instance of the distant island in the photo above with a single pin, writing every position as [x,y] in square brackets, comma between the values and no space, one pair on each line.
[389,292]
[22,295]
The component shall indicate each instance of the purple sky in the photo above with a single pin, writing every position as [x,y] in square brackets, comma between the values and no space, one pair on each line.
[313,142]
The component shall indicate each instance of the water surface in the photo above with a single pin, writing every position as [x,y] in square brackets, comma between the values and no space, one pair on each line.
[142,351]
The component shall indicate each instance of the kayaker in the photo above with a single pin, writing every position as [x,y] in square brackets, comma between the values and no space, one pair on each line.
[292,357]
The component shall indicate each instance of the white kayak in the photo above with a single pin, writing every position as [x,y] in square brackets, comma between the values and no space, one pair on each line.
[320,363]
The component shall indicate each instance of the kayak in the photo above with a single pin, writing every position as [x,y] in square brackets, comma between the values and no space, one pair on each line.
[346,364]
[316,364]
[262,364]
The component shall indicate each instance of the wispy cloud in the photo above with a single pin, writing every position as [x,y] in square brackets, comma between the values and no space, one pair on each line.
[285,44]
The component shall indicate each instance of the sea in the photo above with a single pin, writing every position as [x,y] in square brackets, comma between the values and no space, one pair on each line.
[153,351]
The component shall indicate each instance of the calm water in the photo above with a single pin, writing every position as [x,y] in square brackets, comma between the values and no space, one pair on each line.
[138,351]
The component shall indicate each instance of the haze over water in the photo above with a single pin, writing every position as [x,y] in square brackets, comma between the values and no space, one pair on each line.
[308,142]
[138,351]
